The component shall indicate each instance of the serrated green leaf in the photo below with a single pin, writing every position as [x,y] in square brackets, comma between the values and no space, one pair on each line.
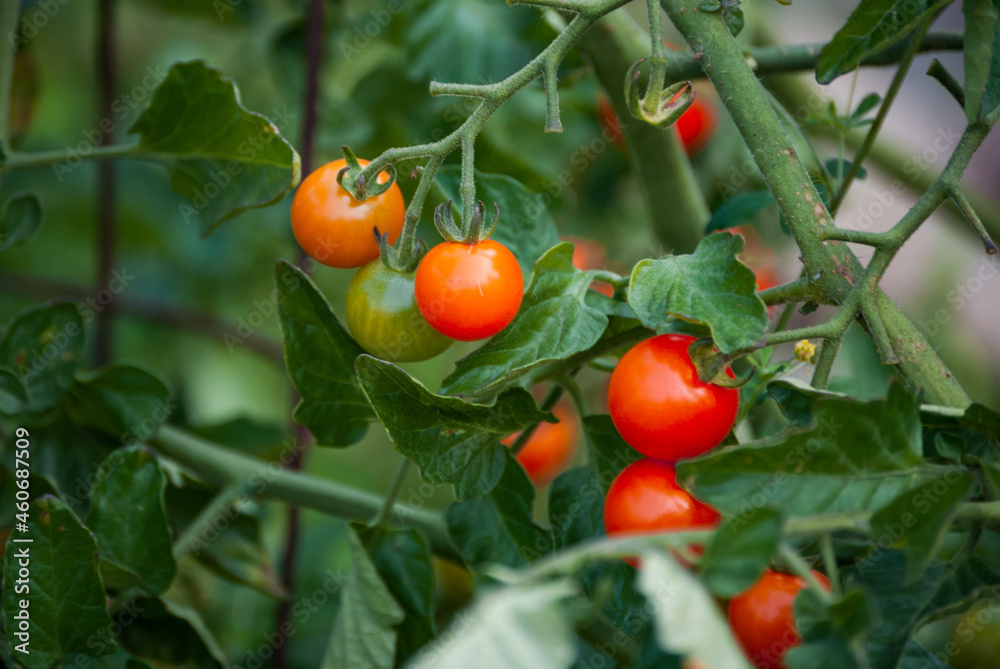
[129,519]
[687,621]
[553,323]
[67,603]
[710,286]
[516,626]
[739,551]
[498,527]
[42,345]
[403,561]
[917,520]
[576,498]
[740,209]
[20,220]
[526,226]
[982,66]
[364,635]
[166,632]
[221,158]
[124,402]
[856,456]
[898,609]
[320,355]
[873,26]
[450,440]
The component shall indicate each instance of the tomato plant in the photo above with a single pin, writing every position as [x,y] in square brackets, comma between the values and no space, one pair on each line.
[637,364]
[661,407]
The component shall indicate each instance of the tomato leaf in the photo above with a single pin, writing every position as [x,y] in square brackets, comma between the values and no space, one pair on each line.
[221,158]
[553,323]
[740,209]
[899,609]
[917,520]
[68,605]
[873,26]
[166,632]
[576,498]
[854,456]
[833,634]
[516,626]
[526,226]
[320,355]
[20,220]
[498,527]
[687,620]
[128,517]
[43,345]
[982,60]
[124,402]
[364,635]
[739,551]
[403,561]
[710,286]
[450,440]
[13,394]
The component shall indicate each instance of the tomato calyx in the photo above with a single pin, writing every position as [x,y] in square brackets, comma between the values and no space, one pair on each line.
[352,178]
[712,365]
[471,232]
[660,106]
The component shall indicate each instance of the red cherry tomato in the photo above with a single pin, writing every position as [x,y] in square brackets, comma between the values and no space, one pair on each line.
[762,618]
[645,499]
[659,405]
[588,254]
[549,448]
[469,291]
[697,124]
[337,230]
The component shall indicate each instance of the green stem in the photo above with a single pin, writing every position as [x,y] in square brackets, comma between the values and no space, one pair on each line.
[16,160]
[801,568]
[798,290]
[573,388]
[824,362]
[269,480]
[191,538]
[392,494]
[785,317]
[883,112]
[830,563]
[8,33]
[407,247]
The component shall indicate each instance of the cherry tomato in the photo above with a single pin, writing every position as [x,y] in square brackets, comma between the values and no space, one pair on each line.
[337,230]
[382,315]
[659,405]
[549,448]
[762,618]
[645,498]
[469,291]
[697,124]
[588,254]
[975,641]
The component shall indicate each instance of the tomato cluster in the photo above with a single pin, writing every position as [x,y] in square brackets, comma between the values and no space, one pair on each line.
[459,291]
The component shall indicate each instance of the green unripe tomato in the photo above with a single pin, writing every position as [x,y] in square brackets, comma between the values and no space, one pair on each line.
[383,317]
[975,643]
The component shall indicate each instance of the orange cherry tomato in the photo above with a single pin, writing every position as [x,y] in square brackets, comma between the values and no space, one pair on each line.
[588,254]
[549,448]
[645,499]
[660,406]
[762,618]
[469,291]
[337,230]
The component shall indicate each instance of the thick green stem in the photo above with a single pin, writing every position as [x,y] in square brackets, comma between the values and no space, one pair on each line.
[270,480]
[392,494]
[192,537]
[676,207]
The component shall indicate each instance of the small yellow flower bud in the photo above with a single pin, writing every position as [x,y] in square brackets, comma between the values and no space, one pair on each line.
[805,350]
